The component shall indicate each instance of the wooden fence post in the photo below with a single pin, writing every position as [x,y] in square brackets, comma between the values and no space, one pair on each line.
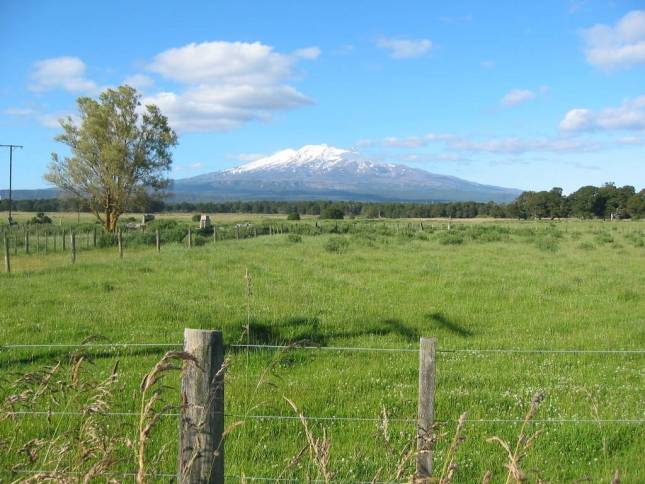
[425,418]
[214,234]
[94,238]
[63,239]
[7,261]
[119,242]
[46,240]
[190,238]
[73,245]
[158,240]
[26,242]
[201,424]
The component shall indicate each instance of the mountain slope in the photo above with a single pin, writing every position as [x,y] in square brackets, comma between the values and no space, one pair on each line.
[325,172]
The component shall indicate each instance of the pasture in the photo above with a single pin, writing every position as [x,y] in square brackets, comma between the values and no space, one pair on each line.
[566,285]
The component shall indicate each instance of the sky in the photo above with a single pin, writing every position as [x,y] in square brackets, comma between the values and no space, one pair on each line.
[528,95]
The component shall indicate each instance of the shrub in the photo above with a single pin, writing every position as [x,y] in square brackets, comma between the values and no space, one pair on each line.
[450,238]
[197,217]
[295,238]
[333,213]
[41,218]
[293,216]
[336,245]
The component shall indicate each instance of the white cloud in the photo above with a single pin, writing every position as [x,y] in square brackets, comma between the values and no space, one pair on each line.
[66,73]
[19,111]
[53,120]
[405,48]
[628,116]
[225,107]
[139,81]
[247,157]
[620,45]
[487,64]
[517,96]
[223,62]
[307,53]
[227,84]
[508,145]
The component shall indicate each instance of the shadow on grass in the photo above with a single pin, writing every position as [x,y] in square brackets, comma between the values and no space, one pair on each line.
[307,331]
[62,355]
[437,318]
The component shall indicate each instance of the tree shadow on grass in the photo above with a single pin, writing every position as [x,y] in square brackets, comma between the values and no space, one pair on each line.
[66,355]
[307,331]
[437,318]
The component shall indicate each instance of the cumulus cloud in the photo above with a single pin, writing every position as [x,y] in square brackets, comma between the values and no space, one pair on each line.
[619,46]
[517,96]
[508,145]
[139,81]
[66,73]
[404,48]
[227,84]
[630,115]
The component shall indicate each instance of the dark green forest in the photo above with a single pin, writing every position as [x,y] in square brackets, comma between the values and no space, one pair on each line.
[587,202]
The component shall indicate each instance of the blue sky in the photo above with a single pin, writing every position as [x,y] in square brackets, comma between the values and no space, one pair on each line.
[519,94]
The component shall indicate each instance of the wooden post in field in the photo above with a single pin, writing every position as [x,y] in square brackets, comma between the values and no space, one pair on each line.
[73,245]
[55,240]
[94,237]
[214,234]
[119,242]
[425,417]
[37,241]
[7,261]
[158,240]
[46,240]
[201,423]
[26,242]
[190,238]
[63,239]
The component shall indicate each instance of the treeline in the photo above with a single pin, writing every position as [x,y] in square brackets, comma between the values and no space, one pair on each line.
[587,202]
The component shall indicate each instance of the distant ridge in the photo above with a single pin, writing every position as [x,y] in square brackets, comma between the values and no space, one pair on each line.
[320,172]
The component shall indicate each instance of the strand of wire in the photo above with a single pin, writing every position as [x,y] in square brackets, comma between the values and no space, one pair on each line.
[332,348]
[335,418]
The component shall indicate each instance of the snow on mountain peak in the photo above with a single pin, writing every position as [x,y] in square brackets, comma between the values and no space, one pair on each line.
[318,157]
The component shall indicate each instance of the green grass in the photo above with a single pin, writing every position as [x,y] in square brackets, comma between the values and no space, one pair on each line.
[569,285]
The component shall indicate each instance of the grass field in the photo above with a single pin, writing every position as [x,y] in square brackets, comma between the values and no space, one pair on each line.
[511,285]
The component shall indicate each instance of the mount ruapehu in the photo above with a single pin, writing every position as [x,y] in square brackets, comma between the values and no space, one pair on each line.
[321,172]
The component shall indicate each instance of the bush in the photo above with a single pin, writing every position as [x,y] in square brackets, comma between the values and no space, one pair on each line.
[332,213]
[41,218]
[197,217]
[295,238]
[336,245]
[293,216]
[450,238]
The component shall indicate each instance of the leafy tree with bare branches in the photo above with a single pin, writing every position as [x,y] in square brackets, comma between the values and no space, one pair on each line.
[120,153]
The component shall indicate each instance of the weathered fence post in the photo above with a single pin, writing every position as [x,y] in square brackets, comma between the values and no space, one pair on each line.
[214,234]
[7,261]
[73,245]
[190,238]
[63,239]
[201,424]
[46,240]
[425,418]
[158,240]
[119,242]
[26,242]
[94,238]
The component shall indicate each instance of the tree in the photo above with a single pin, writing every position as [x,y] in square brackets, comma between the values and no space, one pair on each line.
[334,213]
[120,153]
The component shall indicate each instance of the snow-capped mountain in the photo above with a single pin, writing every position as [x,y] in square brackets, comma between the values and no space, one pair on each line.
[326,172]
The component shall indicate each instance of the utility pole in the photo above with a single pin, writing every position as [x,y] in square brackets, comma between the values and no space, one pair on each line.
[11,147]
